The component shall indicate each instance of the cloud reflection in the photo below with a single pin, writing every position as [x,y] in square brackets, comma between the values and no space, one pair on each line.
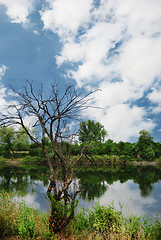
[128,195]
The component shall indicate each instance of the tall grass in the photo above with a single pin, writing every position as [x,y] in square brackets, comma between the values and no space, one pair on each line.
[19,219]
[101,223]
[104,222]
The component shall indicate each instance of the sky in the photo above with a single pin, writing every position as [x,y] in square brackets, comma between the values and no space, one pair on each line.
[112,45]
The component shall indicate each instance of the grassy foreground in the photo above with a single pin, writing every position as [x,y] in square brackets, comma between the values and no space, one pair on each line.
[19,220]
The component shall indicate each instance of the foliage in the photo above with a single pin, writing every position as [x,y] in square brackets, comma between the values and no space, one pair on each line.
[133,226]
[107,220]
[102,222]
[26,223]
[90,131]
[12,140]
[7,138]
[144,146]
[2,159]
[21,140]
[84,220]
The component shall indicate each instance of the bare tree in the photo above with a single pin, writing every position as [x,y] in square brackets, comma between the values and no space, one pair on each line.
[51,115]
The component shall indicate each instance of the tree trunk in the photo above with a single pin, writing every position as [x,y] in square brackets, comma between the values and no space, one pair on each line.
[58,219]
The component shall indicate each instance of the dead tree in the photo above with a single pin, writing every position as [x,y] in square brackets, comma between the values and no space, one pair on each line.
[51,115]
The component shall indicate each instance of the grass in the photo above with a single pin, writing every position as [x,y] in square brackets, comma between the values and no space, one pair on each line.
[17,219]
[102,222]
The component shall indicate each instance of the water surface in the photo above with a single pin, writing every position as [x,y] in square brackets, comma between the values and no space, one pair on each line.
[137,189]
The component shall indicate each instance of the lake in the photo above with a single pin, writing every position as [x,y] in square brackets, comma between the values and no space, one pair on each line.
[137,189]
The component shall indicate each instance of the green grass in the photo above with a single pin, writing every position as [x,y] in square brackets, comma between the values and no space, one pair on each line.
[102,222]
[107,223]
[21,220]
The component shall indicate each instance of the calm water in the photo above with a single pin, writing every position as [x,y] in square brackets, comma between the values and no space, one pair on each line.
[137,188]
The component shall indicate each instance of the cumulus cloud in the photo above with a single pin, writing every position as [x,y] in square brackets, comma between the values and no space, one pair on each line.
[66,16]
[115,46]
[18,10]
[124,121]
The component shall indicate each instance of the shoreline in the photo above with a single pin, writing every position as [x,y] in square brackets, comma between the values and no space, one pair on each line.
[145,163]
[16,162]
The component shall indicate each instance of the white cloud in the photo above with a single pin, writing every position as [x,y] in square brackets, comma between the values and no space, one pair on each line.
[118,50]
[18,10]
[155,98]
[143,16]
[66,16]
[139,61]
[124,121]
[3,69]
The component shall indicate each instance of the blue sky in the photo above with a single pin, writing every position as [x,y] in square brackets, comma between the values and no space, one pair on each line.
[114,45]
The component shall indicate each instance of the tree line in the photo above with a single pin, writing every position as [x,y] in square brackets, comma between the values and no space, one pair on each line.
[16,142]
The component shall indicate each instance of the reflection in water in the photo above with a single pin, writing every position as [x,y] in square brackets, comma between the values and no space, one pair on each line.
[137,188]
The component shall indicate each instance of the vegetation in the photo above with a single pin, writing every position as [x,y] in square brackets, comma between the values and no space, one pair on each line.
[16,144]
[12,141]
[91,131]
[102,222]
[21,220]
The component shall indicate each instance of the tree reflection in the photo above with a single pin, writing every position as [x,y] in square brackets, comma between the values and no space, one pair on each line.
[95,183]
[91,185]
[18,179]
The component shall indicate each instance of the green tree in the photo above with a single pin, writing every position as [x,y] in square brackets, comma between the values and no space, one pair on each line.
[110,147]
[7,139]
[145,137]
[91,131]
[12,140]
[144,146]
[22,140]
